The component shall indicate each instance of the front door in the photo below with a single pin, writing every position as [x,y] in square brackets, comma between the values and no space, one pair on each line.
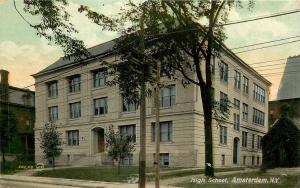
[101,144]
[235,151]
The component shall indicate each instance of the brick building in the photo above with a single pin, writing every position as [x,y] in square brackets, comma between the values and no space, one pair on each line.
[21,103]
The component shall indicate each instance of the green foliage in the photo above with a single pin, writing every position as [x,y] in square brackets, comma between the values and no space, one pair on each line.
[10,167]
[55,25]
[287,110]
[118,146]
[281,145]
[8,129]
[50,141]
[221,110]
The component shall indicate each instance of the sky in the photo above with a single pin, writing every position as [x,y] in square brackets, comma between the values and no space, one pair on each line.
[23,53]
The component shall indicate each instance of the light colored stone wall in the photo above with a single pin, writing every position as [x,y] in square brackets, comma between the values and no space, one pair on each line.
[186,148]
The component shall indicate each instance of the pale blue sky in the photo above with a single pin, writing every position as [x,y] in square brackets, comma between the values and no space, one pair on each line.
[23,53]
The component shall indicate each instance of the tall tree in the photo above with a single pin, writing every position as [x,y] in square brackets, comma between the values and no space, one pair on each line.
[8,129]
[50,142]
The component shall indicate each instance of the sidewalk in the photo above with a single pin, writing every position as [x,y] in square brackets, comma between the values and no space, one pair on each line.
[71,182]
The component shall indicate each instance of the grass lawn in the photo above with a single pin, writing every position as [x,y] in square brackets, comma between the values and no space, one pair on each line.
[110,174]
[286,182]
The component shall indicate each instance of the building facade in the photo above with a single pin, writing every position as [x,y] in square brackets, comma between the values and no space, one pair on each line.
[75,97]
[21,103]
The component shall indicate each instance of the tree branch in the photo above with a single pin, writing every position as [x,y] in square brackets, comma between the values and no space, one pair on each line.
[15,6]
[187,77]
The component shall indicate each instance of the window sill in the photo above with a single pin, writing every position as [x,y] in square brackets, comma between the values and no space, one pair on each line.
[224,82]
[99,87]
[238,90]
[74,119]
[164,142]
[167,107]
[53,97]
[100,115]
[223,145]
[128,112]
[259,102]
[256,124]
[73,93]
[245,94]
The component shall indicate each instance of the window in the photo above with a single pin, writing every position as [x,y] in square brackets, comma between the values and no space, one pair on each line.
[245,111]
[236,121]
[259,93]
[99,77]
[164,159]
[259,142]
[253,160]
[74,83]
[223,135]
[244,160]
[129,106]
[100,106]
[258,117]
[253,140]
[128,131]
[223,101]
[257,160]
[166,130]
[73,137]
[244,139]
[75,110]
[224,72]
[246,85]
[236,103]
[52,89]
[127,161]
[167,96]
[53,113]
[223,96]
[237,80]
[223,160]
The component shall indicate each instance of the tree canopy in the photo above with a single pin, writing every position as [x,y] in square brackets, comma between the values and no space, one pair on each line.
[50,142]
[281,145]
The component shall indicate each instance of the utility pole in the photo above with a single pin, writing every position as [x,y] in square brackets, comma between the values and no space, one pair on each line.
[142,156]
[157,126]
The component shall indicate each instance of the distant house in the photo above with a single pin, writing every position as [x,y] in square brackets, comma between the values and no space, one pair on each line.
[21,103]
[281,145]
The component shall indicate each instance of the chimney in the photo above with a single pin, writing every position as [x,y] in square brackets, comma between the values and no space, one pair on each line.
[4,76]
[4,85]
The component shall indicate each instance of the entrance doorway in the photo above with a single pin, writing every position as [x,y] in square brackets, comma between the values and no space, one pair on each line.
[98,139]
[236,150]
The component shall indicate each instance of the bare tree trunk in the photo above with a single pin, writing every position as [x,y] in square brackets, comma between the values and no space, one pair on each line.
[119,163]
[53,162]
[209,168]
[142,156]
[207,98]
[157,127]
[3,156]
